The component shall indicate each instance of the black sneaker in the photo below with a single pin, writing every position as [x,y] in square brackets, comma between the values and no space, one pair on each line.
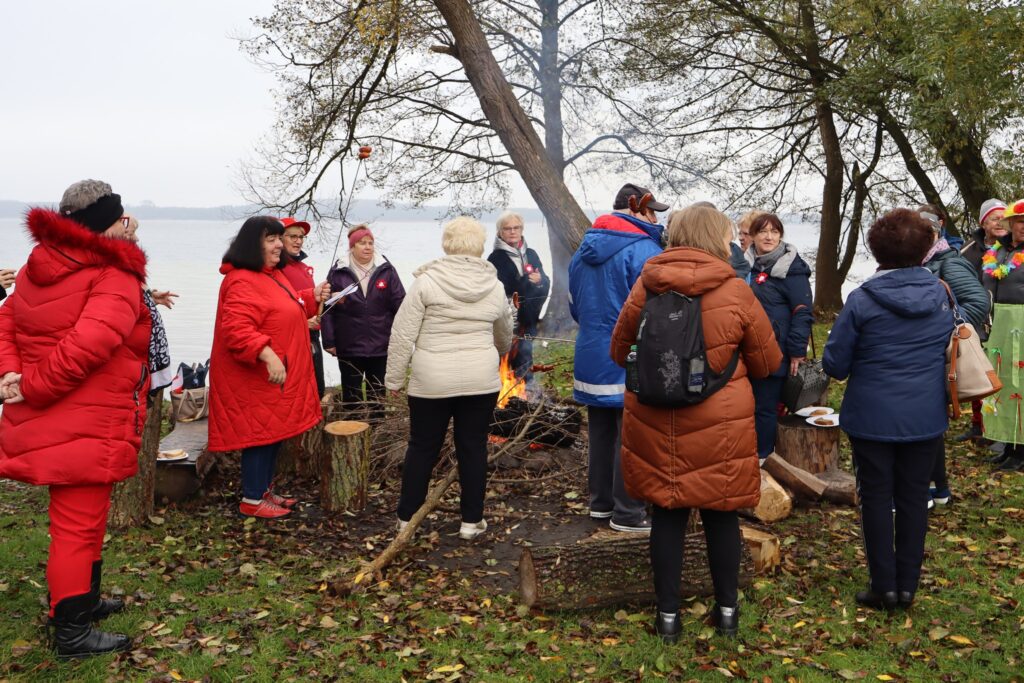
[972,434]
[641,527]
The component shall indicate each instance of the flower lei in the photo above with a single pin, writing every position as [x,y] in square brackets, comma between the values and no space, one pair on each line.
[990,262]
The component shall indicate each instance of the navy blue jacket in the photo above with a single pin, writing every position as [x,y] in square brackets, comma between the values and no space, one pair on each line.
[890,340]
[788,303]
[601,274]
[961,277]
[360,326]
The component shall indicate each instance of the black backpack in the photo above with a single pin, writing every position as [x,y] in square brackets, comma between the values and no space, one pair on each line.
[669,367]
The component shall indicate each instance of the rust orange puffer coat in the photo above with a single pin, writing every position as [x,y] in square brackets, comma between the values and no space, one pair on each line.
[701,456]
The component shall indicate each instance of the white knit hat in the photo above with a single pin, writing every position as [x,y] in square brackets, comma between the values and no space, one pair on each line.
[988,207]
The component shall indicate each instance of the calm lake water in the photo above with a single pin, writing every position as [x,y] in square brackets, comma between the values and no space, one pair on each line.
[184,256]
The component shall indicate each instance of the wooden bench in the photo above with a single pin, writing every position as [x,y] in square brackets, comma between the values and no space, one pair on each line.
[177,480]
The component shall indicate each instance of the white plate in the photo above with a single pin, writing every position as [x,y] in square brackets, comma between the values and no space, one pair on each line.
[833,420]
[163,457]
[806,412]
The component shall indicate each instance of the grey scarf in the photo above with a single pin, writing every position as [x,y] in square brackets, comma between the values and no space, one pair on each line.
[776,262]
[518,255]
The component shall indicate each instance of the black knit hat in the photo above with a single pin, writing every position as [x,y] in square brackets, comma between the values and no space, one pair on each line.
[99,215]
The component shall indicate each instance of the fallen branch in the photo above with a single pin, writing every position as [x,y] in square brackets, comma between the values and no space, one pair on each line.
[369,572]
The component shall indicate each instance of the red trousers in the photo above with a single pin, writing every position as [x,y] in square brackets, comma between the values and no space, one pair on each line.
[78,522]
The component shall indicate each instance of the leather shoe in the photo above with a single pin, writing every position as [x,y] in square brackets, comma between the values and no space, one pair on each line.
[888,600]
[998,459]
[667,626]
[905,599]
[1011,465]
[727,620]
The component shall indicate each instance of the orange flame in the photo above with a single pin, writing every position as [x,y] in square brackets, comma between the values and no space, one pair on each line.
[510,384]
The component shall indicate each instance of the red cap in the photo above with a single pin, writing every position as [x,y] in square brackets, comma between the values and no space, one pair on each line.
[289,222]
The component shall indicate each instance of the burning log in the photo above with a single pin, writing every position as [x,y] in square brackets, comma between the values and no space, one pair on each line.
[557,424]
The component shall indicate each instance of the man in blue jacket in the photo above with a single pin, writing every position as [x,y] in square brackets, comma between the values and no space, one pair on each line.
[601,273]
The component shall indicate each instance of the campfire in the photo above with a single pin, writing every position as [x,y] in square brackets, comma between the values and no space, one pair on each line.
[557,424]
[511,386]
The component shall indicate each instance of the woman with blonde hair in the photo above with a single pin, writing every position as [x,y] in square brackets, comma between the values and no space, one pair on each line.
[452,328]
[704,455]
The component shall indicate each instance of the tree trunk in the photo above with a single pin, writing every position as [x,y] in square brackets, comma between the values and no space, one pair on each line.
[801,482]
[828,295]
[610,569]
[566,220]
[557,320]
[344,465]
[132,501]
[814,449]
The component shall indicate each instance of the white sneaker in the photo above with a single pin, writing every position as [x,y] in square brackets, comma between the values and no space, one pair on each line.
[402,525]
[468,531]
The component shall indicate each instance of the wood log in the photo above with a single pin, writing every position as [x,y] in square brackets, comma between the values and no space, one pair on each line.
[344,465]
[609,569]
[775,503]
[132,501]
[801,482]
[765,549]
[842,487]
[812,449]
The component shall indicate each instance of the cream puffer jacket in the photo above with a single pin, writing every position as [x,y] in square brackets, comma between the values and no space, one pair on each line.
[453,326]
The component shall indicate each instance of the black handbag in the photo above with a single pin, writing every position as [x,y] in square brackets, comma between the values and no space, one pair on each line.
[807,386]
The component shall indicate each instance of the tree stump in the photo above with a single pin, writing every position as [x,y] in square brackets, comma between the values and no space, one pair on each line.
[610,569]
[132,501]
[344,465]
[842,487]
[814,449]
[775,503]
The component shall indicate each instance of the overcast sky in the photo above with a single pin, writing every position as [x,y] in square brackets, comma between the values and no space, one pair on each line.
[154,97]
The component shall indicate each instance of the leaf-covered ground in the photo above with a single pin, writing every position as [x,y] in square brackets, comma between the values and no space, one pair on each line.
[215,597]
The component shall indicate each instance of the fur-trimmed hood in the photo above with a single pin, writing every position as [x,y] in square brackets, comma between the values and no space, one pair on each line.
[68,247]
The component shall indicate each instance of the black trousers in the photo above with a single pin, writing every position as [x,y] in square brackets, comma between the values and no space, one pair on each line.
[318,361]
[939,468]
[357,372]
[668,534]
[894,474]
[428,425]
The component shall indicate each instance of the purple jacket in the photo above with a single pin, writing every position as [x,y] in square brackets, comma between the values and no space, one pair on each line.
[360,326]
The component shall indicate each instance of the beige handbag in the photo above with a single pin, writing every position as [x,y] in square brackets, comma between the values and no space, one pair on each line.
[969,373]
[190,405]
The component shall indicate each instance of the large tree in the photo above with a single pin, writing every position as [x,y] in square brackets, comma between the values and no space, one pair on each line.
[412,80]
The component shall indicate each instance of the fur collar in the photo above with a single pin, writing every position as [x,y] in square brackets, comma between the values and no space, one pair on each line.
[50,229]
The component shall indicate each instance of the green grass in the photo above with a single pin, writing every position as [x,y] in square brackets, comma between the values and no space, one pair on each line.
[214,598]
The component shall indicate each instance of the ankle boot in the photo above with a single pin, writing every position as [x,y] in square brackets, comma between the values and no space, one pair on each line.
[667,626]
[727,620]
[104,606]
[74,634]
[887,601]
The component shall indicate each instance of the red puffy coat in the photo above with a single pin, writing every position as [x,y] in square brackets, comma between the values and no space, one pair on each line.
[254,310]
[77,329]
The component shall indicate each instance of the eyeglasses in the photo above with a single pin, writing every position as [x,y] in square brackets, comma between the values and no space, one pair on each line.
[126,221]
[768,231]
[296,237]
[511,228]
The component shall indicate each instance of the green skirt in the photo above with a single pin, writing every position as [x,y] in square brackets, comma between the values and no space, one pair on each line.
[1003,412]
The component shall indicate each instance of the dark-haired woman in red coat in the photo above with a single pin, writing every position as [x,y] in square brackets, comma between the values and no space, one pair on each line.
[262,388]
[74,346]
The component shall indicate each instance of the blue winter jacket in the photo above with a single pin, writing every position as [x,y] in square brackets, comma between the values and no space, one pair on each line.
[787,301]
[601,273]
[890,340]
[739,262]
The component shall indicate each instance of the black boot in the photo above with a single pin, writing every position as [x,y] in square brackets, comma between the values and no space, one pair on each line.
[869,598]
[74,634]
[667,626]
[905,599]
[727,620]
[1014,463]
[104,607]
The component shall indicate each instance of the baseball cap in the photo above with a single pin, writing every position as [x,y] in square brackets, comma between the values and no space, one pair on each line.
[289,222]
[630,190]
